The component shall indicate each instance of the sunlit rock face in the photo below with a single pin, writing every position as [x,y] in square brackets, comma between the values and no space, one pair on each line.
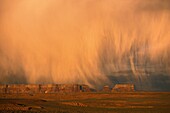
[123,88]
[43,88]
[99,42]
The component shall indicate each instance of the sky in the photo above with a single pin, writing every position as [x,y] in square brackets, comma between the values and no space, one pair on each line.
[93,42]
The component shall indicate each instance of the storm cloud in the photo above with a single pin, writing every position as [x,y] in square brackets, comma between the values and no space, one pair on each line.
[93,42]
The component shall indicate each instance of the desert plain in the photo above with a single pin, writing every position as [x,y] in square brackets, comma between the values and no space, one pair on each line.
[86,102]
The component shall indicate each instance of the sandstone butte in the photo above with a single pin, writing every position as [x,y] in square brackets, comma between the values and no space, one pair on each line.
[60,88]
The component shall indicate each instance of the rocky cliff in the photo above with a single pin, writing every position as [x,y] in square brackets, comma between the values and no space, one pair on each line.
[43,88]
[123,88]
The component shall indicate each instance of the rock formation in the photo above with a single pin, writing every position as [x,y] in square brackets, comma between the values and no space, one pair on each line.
[43,88]
[60,88]
[106,89]
[123,88]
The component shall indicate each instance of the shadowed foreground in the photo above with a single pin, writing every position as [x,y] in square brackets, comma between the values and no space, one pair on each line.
[136,102]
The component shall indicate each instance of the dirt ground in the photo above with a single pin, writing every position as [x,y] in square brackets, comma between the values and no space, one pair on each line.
[136,102]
